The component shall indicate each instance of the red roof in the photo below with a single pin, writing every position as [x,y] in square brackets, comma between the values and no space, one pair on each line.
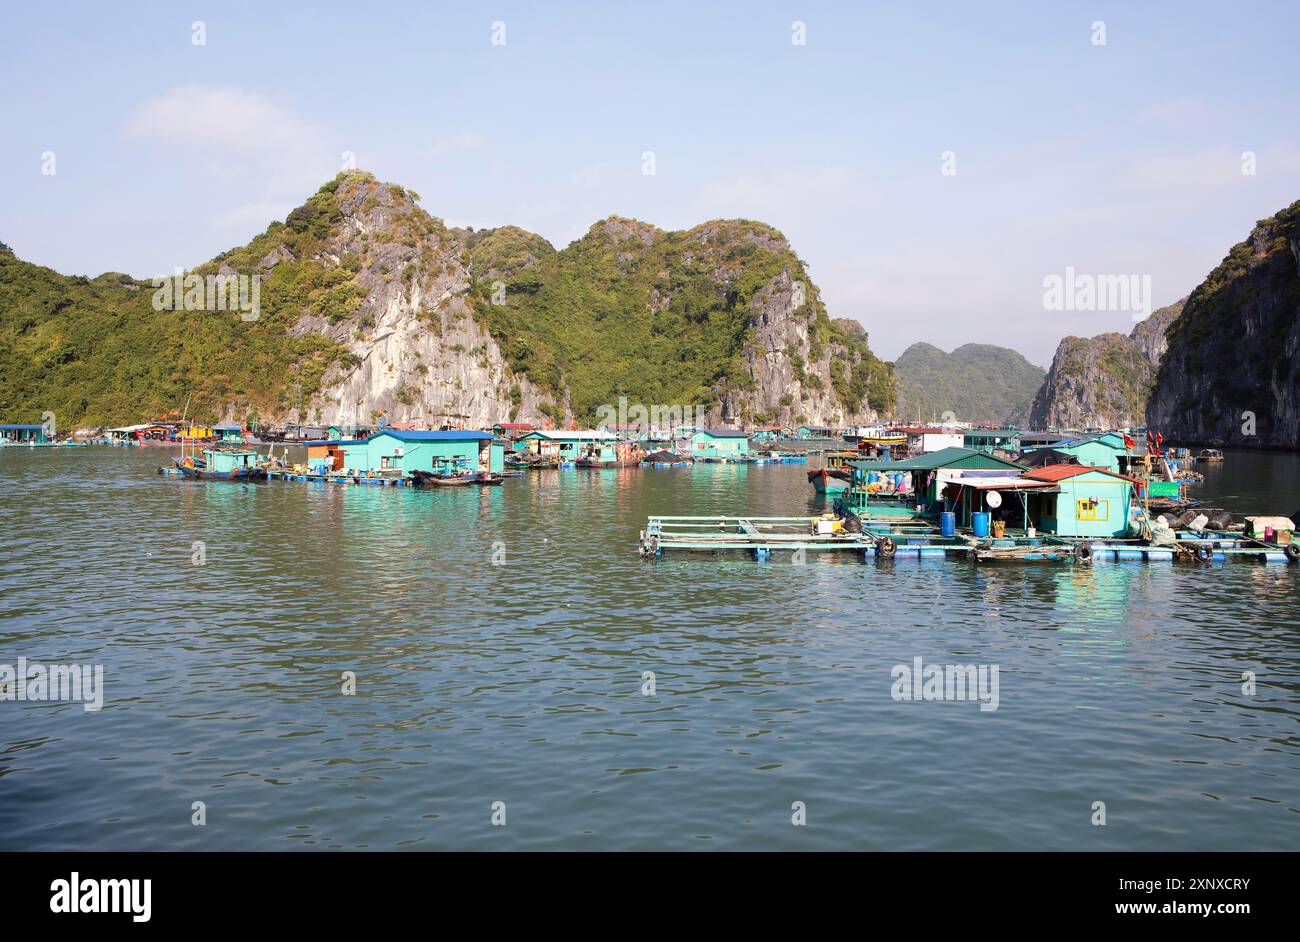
[1059,472]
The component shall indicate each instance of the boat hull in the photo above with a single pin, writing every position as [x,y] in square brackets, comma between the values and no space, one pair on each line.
[240,474]
[828,481]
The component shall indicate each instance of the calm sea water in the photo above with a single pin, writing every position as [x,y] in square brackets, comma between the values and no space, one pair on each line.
[522,682]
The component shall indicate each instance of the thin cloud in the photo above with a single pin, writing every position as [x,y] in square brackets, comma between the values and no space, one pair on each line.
[257,156]
[460,141]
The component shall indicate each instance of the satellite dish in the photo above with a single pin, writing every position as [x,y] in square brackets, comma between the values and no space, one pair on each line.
[993,499]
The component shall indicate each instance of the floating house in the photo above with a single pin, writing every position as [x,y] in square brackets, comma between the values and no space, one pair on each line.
[626,432]
[436,452]
[769,433]
[229,433]
[991,439]
[923,438]
[512,430]
[1041,439]
[1087,501]
[813,431]
[1095,451]
[566,445]
[328,454]
[719,444]
[933,473]
[22,434]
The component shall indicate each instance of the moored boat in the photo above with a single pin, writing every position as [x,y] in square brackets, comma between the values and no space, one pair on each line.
[836,474]
[219,465]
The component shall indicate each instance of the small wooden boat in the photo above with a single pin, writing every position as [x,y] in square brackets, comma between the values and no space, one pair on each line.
[837,473]
[443,478]
[1209,454]
[452,480]
[487,479]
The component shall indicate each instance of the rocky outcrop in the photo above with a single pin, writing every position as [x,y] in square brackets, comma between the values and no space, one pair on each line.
[720,321]
[1231,375]
[1104,381]
[369,306]
[417,354]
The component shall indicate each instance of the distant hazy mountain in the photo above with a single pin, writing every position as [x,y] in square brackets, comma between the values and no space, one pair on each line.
[977,382]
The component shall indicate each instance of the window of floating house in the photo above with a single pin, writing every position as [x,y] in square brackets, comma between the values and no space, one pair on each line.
[1092,508]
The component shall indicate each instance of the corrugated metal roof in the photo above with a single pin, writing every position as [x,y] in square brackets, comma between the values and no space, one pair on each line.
[14,428]
[427,435]
[943,458]
[572,434]
[1003,482]
[1059,472]
[725,432]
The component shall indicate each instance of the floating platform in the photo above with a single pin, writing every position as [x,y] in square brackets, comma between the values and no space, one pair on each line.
[914,538]
[757,535]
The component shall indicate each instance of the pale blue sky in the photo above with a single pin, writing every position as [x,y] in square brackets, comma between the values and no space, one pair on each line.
[1120,159]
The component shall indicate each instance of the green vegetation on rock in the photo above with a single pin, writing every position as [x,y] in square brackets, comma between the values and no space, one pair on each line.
[976,383]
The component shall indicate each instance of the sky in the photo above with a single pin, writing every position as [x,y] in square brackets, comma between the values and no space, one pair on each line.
[933,164]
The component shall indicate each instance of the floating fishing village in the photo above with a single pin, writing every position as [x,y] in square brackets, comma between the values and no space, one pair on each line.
[885,491]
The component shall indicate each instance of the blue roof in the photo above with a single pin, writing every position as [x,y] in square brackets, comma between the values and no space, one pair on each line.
[1085,439]
[431,436]
[14,428]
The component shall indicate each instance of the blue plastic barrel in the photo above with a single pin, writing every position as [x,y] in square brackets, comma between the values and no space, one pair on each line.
[979,523]
[947,524]
[872,477]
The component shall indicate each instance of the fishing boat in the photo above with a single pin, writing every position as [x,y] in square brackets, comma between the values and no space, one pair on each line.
[1209,454]
[604,455]
[488,479]
[219,465]
[835,475]
[452,480]
[443,478]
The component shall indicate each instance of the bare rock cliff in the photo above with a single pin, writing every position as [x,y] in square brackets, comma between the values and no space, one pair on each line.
[1231,375]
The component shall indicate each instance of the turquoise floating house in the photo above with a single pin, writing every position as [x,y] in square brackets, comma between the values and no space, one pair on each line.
[1089,501]
[432,451]
[992,439]
[769,433]
[935,472]
[1095,451]
[22,434]
[229,433]
[813,431]
[566,445]
[720,444]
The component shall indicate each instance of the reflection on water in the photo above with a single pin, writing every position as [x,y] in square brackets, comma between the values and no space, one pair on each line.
[523,682]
